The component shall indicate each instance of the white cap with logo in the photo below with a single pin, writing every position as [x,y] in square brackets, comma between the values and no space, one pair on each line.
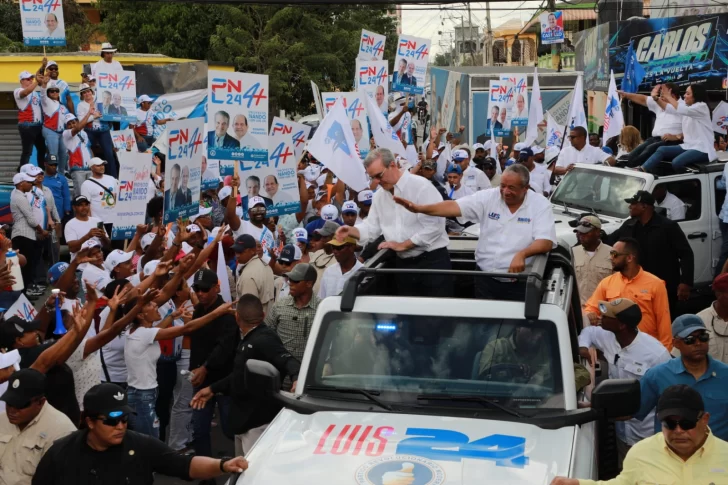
[329,212]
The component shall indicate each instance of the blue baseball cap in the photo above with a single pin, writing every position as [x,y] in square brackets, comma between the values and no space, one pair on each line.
[686,324]
[607,150]
[56,271]
[455,169]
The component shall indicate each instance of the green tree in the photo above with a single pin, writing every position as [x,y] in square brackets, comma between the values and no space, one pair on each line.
[443,60]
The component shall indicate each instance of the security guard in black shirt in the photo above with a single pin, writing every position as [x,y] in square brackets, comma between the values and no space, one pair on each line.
[106,453]
[250,415]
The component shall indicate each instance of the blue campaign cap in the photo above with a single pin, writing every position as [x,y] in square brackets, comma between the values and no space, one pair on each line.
[686,324]
[56,271]
[455,169]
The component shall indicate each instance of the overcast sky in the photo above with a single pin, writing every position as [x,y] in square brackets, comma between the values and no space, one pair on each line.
[419,22]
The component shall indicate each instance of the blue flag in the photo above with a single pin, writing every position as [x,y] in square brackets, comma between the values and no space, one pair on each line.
[634,73]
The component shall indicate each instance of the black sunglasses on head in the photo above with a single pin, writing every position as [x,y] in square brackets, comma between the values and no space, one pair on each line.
[685,424]
[113,422]
[691,339]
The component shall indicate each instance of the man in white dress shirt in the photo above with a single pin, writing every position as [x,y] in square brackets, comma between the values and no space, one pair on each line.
[419,240]
[539,176]
[580,152]
[670,202]
[336,275]
[515,225]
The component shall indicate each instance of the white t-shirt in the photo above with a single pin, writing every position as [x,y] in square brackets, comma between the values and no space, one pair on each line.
[79,154]
[588,154]
[332,282]
[86,372]
[665,123]
[76,229]
[261,234]
[96,123]
[675,207]
[475,179]
[502,233]
[141,353]
[103,66]
[113,353]
[540,178]
[102,202]
[456,194]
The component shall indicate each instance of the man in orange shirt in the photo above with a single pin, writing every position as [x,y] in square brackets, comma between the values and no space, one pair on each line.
[632,282]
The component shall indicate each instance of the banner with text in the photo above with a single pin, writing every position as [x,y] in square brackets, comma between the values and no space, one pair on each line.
[135,185]
[592,56]
[124,140]
[279,179]
[371,46]
[42,22]
[237,117]
[356,111]
[372,77]
[116,96]
[507,104]
[183,166]
[413,54]
[552,27]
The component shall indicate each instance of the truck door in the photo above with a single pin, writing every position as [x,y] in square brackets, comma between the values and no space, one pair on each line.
[718,196]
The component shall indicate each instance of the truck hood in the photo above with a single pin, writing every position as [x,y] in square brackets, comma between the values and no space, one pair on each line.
[403,449]
[565,233]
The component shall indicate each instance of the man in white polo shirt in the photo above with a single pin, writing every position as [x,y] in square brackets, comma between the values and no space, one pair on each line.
[473,178]
[515,225]
[580,152]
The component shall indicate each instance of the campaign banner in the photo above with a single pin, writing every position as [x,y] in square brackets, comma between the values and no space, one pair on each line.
[508,104]
[280,179]
[681,50]
[210,170]
[552,27]
[371,46]
[184,163]
[124,140]
[413,54]
[237,117]
[448,101]
[356,111]
[176,106]
[22,308]
[135,185]
[42,22]
[297,132]
[116,96]
[448,88]
[554,132]
[720,118]
[372,77]
[592,56]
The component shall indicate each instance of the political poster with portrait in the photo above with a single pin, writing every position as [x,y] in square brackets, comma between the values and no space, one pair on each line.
[124,140]
[356,111]
[279,181]
[552,27]
[116,96]
[237,117]
[210,170]
[134,188]
[298,132]
[42,22]
[185,149]
[507,104]
[371,46]
[449,101]
[518,88]
[372,77]
[410,65]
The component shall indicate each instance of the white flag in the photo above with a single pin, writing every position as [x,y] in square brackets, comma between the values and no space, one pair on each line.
[535,111]
[22,308]
[613,117]
[576,109]
[384,135]
[555,133]
[720,118]
[334,146]
[222,275]
[443,160]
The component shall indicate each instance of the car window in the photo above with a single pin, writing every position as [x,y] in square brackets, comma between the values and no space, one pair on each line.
[720,192]
[404,356]
[601,191]
[680,200]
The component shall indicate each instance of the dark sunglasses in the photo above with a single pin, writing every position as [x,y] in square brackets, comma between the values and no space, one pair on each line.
[685,424]
[339,248]
[52,68]
[197,289]
[691,339]
[113,422]
[49,91]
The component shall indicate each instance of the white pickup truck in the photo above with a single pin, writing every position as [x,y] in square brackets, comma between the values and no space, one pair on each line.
[438,391]
[601,190]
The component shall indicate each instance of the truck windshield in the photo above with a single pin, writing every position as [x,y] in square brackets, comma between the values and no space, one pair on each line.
[601,191]
[406,358]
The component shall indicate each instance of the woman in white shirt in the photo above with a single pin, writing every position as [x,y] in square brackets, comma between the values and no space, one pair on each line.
[697,130]
[141,352]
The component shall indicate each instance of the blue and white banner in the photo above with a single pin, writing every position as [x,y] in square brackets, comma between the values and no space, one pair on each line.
[279,179]
[175,106]
[185,149]
[552,27]
[372,77]
[410,65]
[124,140]
[116,96]
[613,117]
[135,186]
[42,22]
[298,133]
[371,46]
[210,178]
[237,117]
[356,111]
[555,133]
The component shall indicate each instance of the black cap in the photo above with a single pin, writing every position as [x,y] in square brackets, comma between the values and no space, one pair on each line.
[106,399]
[680,400]
[243,242]
[23,386]
[525,153]
[13,328]
[79,199]
[51,159]
[302,272]
[643,197]
[205,279]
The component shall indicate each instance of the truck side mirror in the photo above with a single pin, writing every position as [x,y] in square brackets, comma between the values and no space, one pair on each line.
[262,379]
[616,398]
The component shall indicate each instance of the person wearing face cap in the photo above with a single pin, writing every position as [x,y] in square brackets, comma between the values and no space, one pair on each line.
[715,318]
[538,176]
[329,212]
[27,229]
[147,122]
[105,451]
[30,118]
[591,257]
[255,227]
[290,256]
[364,202]
[335,276]
[54,118]
[428,170]
[28,418]
[254,276]
[98,132]
[685,450]
[473,178]
[629,353]
[58,185]
[322,255]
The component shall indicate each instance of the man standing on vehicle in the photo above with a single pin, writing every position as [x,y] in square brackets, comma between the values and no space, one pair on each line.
[592,262]
[420,241]
[631,281]
[515,225]
[580,152]
[665,251]
[629,353]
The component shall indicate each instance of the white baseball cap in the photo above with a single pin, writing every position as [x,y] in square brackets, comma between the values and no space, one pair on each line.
[70,117]
[225,192]
[349,206]
[85,87]
[147,240]
[519,146]
[25,75]
[22,177]
[204,211]
[311,173]
[253,201]
[96,161]
[91,243]
[150,267]
[193,228]
[537,149]
[320,195]
[478,146]
[115,258]
[365,197]
[300,234]
[460,155]
[51,63]
[144,99]
[329,212]
[31,170]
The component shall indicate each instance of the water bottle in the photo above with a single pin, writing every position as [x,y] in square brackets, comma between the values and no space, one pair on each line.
[190,374]
[12,257]
[54,237]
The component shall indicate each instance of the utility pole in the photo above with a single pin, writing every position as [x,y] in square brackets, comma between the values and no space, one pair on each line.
[488,35]
[555,48]
[470,29]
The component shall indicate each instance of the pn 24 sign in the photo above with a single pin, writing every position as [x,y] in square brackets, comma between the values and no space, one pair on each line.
[229,91]
[182,144]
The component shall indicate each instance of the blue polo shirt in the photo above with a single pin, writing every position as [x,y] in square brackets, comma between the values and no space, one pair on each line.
[712,386]
[58,186]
